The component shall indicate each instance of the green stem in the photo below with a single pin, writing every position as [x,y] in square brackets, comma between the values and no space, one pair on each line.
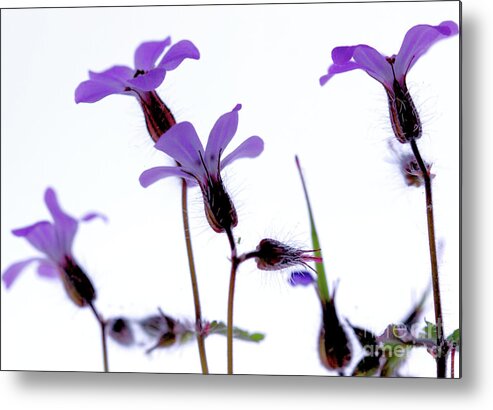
[193,276]
[321,275]
[102,325]
[441,358]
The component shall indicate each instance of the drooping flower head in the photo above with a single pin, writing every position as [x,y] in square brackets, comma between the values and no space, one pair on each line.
[141,81]
[274,255]
[54,240]
[204,167]
[391,72]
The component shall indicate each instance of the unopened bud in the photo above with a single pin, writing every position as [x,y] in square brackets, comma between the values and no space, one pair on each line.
[120,331]
[274,255]
[333,342]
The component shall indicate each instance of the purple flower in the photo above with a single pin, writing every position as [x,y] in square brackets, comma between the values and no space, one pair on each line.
[147,75]
[391,72]
[54,240]
[302,278]
[204,166]
[141,81]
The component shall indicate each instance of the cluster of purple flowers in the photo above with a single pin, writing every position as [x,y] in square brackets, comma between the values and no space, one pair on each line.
[202,167]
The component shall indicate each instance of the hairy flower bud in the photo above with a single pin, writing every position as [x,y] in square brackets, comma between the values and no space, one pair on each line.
[120,331]
[333,342]
[412,172]
[274,255]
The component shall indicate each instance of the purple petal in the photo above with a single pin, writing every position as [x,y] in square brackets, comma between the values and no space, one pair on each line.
[92,91]
[48,270]
[13,271]
[177,53]
[148,177]
[65,225]
[302,278]
[147,53]
[336,69]
[148,81]
[417,42]
[42,236]
[116,75]
[250,148]
[221,134]
[94,215]
[363,57]
[182,143]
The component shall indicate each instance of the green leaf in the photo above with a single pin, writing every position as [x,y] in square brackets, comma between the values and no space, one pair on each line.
[454,339]
[323,287]
[221,329]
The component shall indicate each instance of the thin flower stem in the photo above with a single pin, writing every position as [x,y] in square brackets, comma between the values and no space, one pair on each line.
[193,276]
[441,358]
[235,261]
[102,324]
[452,363]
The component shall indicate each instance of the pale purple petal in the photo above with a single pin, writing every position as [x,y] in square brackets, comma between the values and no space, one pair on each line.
[375,64]
[221,134]
[92,91]
[177,53]
[250,148]
[148,81]
[302,278]
[117,75]
[65,225]
[147,53]
[42,236]
[148,177]
[13,271]
[94,215]
[363,57]
[47,269]
[417,42]
[337,69]
[182,143]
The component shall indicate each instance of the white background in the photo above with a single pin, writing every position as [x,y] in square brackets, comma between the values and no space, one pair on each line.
[247,127]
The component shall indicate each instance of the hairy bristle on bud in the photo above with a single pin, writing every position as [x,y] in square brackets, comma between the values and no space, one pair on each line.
[274,255]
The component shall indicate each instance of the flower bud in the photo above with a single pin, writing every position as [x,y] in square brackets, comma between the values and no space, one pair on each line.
[120,331]
[334,347]
[412,172]
[274,255]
